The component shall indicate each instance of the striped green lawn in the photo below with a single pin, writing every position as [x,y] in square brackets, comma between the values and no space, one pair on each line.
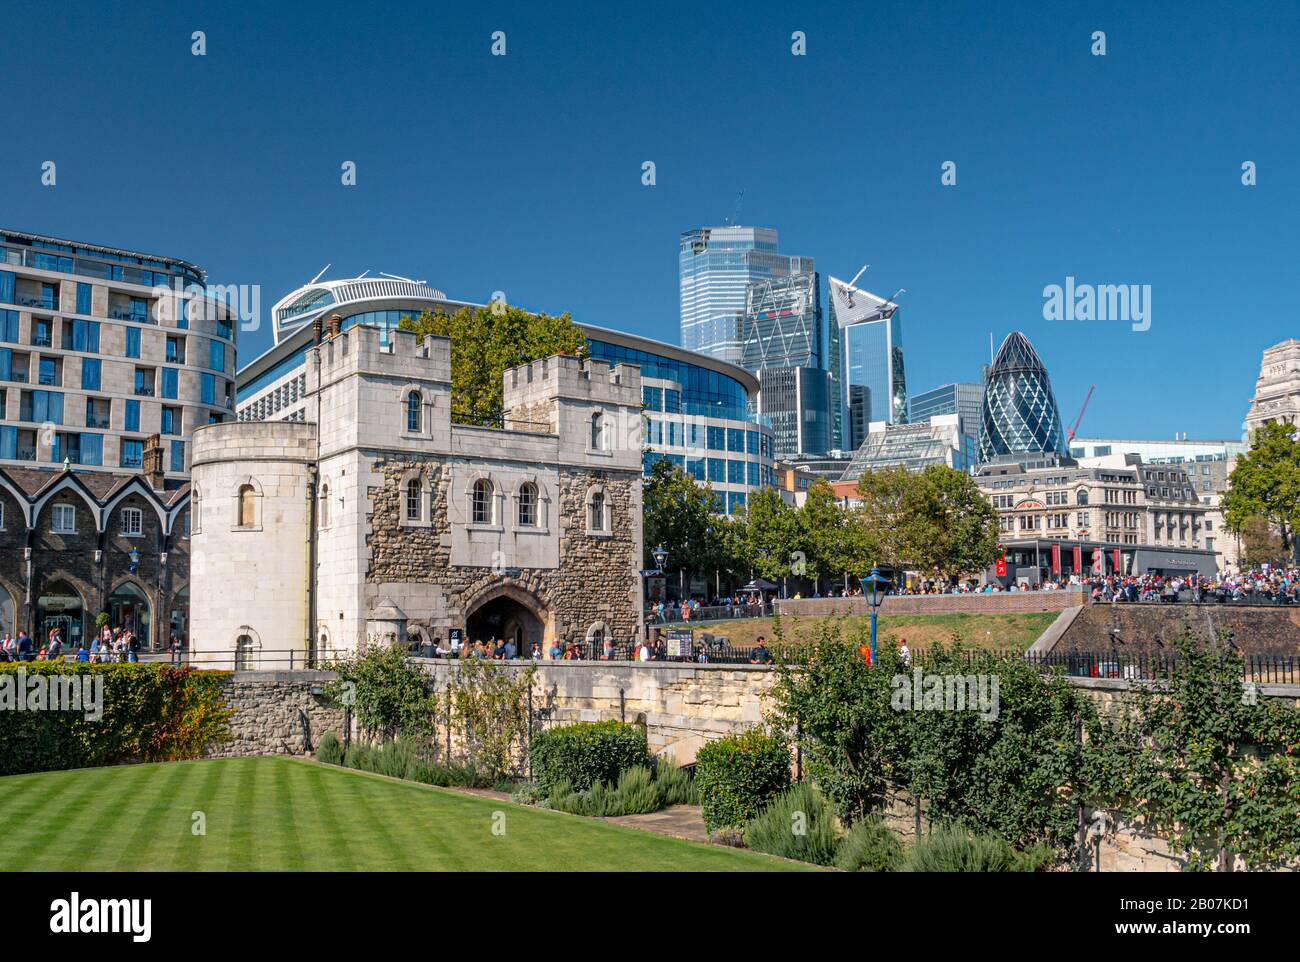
[278,814]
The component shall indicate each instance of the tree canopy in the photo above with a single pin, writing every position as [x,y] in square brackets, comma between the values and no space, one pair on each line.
[486,342]
[1266,483]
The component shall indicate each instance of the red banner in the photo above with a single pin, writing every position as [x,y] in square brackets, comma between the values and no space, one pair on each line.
[1056,559]
[1001,567]
[1078,559]
[1115,565]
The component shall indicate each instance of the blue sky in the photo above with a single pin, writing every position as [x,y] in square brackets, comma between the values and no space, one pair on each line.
[523,173]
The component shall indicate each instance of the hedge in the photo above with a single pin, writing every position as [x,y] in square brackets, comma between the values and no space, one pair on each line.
[738,774]
[151,713]
[585,753]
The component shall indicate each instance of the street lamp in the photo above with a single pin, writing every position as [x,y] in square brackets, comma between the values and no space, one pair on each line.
[135,560]
[879,585]
[660,554]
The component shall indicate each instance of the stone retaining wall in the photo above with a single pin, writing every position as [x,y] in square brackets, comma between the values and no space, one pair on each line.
[275,713]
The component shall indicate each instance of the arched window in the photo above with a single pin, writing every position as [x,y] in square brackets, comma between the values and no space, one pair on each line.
[413,412]
[597,432]
[324,519]
[244,652]
[481,502]
[596,511]
[247,508]
[413,500]
[527,499]
[1081,497]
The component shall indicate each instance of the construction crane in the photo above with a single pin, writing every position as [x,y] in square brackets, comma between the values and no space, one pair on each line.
[1075,426]
[734,219]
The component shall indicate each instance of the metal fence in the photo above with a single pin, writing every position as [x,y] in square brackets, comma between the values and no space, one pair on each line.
[673,614]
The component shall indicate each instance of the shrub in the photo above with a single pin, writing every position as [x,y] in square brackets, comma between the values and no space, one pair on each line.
[330,749]
[586,753]
[951,849]
[870,847]
[798,824]
[675,785]
[735,776]
[150,713]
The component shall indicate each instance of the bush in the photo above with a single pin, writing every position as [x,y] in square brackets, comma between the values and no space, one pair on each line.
[675,785]
[799,823]
[330,749]
[870,847]
[586,753]
[150,713]
[951,849]
[737,775]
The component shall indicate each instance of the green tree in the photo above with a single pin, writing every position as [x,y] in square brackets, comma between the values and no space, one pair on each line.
[772,535]
[486,342]
[1260,543]
[679,515]
[389,695]
[1266,482]
[936,521]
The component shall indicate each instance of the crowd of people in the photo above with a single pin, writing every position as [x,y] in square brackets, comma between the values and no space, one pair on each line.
[109,645]
[504,649]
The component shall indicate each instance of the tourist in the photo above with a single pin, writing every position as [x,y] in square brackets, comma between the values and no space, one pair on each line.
[132,648]
[760,655]
[499,650]
[607,650]
[55,650]
[555,652]
[644,653]
[904,654]
[511,651]
[537,651]
[82,653]
[8,648]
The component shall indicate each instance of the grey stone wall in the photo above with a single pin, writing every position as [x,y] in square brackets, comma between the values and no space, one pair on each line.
[275,713]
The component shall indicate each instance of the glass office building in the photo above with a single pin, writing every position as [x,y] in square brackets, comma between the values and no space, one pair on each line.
[1019,420]
[964,399]
[796,401]
[874,378]
[102,347]
[716,266]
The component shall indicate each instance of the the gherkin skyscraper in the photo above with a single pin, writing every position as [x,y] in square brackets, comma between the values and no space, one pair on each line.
[1019,421]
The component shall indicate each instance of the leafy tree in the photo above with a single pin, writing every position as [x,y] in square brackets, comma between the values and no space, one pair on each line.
[936,521]
[487,341]
[679,515]
[1261,544]
[389,695]
[1266,482]
[772,535]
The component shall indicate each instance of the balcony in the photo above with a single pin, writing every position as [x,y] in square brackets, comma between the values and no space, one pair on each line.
[44,303]
[144,390]
[26,454]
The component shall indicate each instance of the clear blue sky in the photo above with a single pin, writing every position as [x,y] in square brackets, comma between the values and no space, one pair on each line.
[523,173]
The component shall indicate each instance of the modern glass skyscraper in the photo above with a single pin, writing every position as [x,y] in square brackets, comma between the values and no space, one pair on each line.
[716,267]
[872,340]
[796,401]
[1020,421]
[964,399]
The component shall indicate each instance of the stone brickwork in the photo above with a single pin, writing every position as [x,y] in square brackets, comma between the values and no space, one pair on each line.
[999,602]
[275,713]
[1145,628]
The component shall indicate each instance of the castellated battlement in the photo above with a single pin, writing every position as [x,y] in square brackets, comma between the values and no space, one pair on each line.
[360,350]
[575,379]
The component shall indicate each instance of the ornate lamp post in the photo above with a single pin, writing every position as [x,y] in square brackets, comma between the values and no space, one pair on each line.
[879,586]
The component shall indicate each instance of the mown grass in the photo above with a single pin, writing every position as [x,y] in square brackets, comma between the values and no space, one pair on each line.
[278,814]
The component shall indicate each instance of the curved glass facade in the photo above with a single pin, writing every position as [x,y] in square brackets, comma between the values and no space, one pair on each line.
[704,392]
[1019,416]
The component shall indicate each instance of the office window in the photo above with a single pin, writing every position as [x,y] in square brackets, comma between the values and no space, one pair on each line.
[717,469]
[735,472]
[92,449]
[175,350]
[216,355]
[208,388]
[751,474]
[751,442]
[83,298]
[7,287]
[132,453]
[131,419]
[717,439]
[9,326]
[171,420]
[41,406]
[42,332]
[735,440]
[178,456]
[90,374]
[182,314]
[49,374]
[133,342]
[170,377]
[672,401]
[652,398]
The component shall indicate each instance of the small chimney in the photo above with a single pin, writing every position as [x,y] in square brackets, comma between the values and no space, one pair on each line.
[336,326]
[316,329]
[151,462]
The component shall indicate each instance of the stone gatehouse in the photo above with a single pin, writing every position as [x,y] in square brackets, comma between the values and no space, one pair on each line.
[379,517]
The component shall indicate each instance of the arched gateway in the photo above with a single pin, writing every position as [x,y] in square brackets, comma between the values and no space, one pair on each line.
[510,613]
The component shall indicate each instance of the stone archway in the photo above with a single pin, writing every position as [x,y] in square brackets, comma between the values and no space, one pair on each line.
[510,613]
